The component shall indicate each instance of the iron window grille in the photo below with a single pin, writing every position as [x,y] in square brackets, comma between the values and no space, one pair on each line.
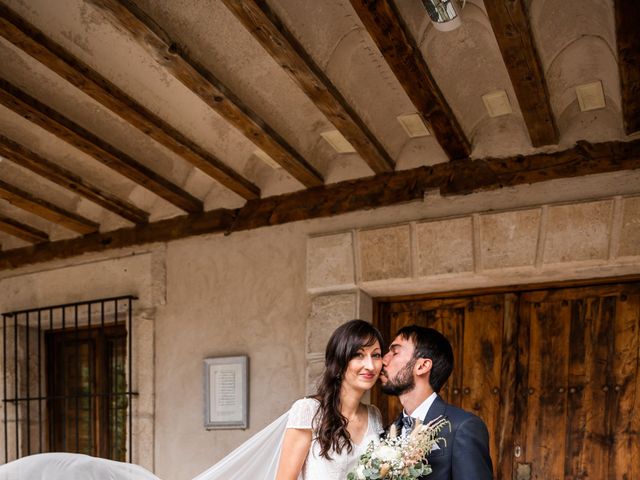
[51,368]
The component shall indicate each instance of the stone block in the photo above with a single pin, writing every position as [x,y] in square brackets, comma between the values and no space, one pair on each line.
[330,261]
[327,313]
[315,368]
[365,308]
[630,235]
[143,448]
[144,363]
[385,253]
[578,232]
[445,246]
[509,239]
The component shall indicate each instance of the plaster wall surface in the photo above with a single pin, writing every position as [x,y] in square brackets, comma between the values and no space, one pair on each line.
[227,296]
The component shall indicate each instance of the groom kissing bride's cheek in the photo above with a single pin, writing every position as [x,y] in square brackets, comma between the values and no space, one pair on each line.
[332,435]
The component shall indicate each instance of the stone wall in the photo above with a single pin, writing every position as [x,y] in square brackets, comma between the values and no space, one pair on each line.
[551,242]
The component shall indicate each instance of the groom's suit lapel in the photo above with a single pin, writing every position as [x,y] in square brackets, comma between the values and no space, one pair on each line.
[438,408]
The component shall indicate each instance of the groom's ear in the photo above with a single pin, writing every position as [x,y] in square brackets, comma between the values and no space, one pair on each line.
[423,366]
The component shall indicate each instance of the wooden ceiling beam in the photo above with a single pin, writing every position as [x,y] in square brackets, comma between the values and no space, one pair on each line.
[452,178]
[22,231]
[85,141]
[510,23]
[172,56]
[24,157]
[35,43]
[46,210]
[273,35]
[627,13]
[388,30]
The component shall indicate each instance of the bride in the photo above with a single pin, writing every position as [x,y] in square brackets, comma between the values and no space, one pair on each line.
[320,438]
[326,434]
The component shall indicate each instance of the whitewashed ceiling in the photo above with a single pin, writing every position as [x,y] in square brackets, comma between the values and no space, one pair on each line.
[575,41]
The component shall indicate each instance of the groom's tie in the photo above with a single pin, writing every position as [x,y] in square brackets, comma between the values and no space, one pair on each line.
[407,423]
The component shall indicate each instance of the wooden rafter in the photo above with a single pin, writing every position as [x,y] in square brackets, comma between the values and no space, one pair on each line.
[281,44]
[85,141]
[399,48]
[46,210]
[24,157]
[452,178]
[628,44]
[34,42]
[22,231]
[172,56]
[510,23]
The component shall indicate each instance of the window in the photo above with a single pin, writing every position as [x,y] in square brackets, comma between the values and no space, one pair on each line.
[86,386]
[66,372]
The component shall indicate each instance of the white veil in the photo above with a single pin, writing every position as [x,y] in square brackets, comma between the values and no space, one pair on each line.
[71,466]
[255,459]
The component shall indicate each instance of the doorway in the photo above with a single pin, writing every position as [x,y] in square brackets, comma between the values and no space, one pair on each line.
[553,373]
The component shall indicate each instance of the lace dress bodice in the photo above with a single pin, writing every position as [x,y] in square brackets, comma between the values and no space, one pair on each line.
[319,468]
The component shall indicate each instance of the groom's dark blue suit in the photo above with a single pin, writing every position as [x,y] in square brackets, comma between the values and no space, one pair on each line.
[465,455]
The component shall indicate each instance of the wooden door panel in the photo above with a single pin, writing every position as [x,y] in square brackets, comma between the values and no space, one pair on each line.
[482,363]
[600,402]
[546,404]
[626,446]
[579,398]
[582,348]
[450,321]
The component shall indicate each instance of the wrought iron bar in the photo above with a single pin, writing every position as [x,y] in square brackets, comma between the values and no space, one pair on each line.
[130,382]
[4,386]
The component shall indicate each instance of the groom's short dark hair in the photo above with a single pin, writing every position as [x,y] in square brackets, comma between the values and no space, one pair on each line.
[430,343]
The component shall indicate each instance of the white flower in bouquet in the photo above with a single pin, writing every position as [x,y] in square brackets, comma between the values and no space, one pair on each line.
[397,458]
[387,453]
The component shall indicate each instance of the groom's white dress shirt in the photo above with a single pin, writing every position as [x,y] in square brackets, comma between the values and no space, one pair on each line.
[420,412]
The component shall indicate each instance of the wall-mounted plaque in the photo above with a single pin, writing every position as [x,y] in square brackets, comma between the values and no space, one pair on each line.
[226,392]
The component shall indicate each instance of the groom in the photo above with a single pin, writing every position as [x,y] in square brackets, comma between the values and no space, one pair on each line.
[417,365]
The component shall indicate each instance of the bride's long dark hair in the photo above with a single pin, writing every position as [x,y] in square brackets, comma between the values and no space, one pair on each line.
[344,344]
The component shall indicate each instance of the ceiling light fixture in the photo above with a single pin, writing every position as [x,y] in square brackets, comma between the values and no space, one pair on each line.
[338,142]
[444,14]
[413,125]
[590,96]
[497,103]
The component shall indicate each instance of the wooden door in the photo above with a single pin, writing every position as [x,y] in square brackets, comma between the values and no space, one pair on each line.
[475,326]
[577,411]
[553,373]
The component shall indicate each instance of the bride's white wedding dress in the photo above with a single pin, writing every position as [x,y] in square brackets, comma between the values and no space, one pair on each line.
[256,459]
[319,468]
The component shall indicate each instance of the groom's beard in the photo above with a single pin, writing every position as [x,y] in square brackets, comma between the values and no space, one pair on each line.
[403,382]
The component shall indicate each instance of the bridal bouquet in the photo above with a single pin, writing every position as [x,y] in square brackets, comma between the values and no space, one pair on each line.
[398,458]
